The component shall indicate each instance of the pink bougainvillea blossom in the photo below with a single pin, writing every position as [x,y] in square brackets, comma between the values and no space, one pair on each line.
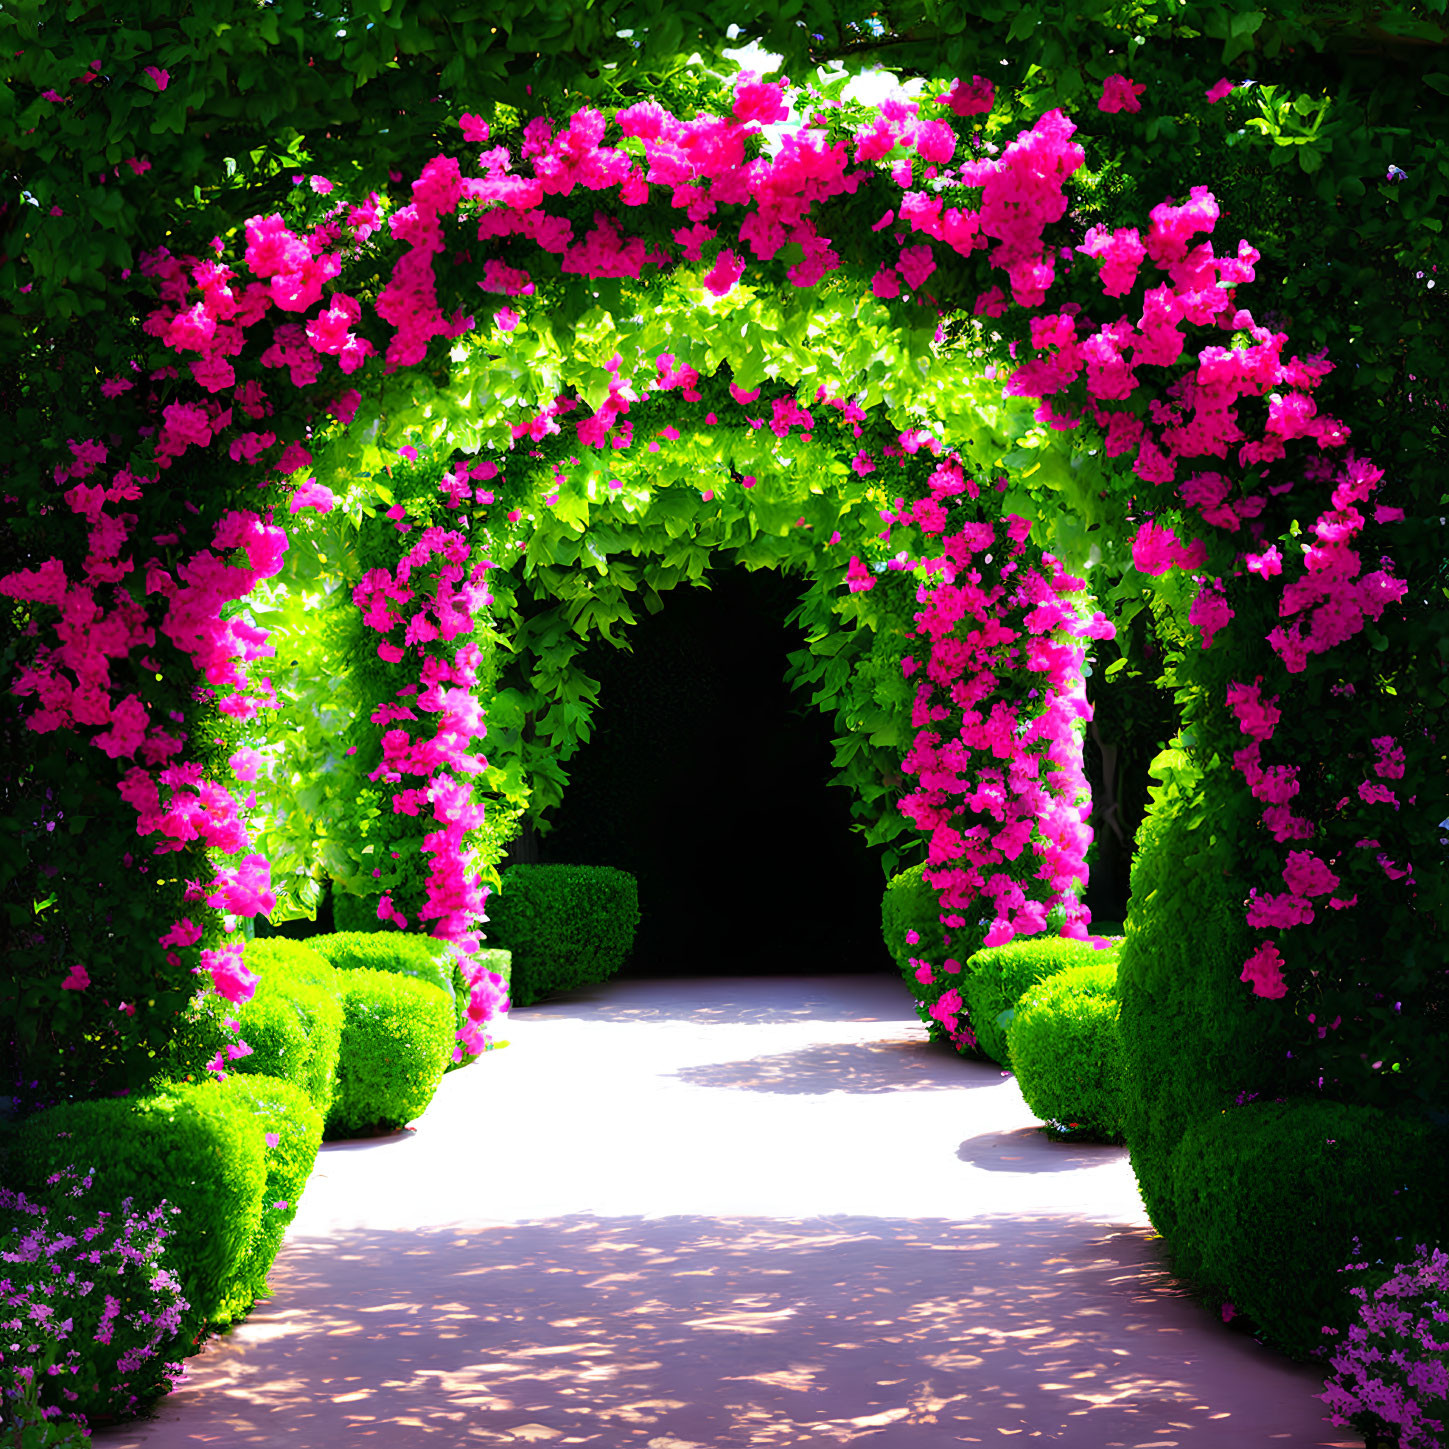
[1120,94]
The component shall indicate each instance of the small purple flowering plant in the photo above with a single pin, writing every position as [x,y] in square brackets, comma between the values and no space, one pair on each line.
[1390,1374]
[85,1302]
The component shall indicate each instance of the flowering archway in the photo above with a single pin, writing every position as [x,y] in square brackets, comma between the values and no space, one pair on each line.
[1149,401]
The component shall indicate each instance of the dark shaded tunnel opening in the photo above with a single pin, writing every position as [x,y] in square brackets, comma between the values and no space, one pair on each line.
[708,779]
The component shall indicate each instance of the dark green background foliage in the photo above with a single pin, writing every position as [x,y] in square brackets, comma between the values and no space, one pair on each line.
[1066,1048]
[1268,1193]
[996,977]
[397,1036]
[566,926]
[197,1147]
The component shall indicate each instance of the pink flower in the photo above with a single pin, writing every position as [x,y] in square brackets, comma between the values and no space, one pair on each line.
[1156,548]
[1306,875]
[1219,91]
[161,77]
[1120,94]
[245,763]
[970,99]
[1263,971]
[229,975]
[312,494]
[77,980]
[1266,564]
[475,129]
[727,270]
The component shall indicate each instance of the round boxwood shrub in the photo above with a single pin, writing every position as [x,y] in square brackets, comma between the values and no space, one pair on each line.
[1065,1045]
[285,1111]
[997,976]
[565,925]
[910,905]
[1272,1198]
[194,1145]
[397,1036]
[422,957]
[293,1023]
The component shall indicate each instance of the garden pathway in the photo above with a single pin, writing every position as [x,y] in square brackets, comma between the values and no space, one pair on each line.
[747,1212]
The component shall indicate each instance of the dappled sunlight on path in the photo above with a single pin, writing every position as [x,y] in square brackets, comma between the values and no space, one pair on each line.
[668,1222]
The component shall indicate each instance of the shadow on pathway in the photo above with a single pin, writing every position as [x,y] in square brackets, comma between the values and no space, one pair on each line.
[691,1217]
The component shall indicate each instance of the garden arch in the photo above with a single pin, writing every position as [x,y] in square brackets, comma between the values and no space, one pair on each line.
[1220,437]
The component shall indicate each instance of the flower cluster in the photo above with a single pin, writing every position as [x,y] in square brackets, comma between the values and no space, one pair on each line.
[281,301]
[1391,1376]
[434,595]
[85,1303]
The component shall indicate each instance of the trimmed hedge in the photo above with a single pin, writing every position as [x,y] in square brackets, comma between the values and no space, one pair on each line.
[1193,1036]
[565,925]
[406,954]
[1065,1046]
[283,1108]
[293,1023]
[997,976]
[909,904]
[1272,1198]
[397,1036]
[197,1146]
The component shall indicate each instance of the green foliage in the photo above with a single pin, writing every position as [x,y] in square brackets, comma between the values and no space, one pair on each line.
[1066,1048]
[421,957]
[357,913]
[565,925]
[1193,1037]
[196,1146]
[293,1023]
[397,1035]
[283,1108]
[908,906]
[998,976]
[1272,1198]
[911,907]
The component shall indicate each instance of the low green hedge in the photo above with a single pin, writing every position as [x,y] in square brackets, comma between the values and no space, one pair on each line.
[565,925]
[1065,1045]
[406,954]
[284,1112]
[997,976]
[1272,1197]
[293,1023]
[197,1146]
[397,1036]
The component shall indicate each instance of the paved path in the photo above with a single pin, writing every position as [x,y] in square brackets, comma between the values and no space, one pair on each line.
[751,1212]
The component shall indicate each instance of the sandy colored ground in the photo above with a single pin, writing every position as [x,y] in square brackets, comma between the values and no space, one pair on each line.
[754,1211]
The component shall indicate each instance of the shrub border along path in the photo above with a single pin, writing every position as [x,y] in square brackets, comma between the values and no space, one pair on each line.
[790,1218]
